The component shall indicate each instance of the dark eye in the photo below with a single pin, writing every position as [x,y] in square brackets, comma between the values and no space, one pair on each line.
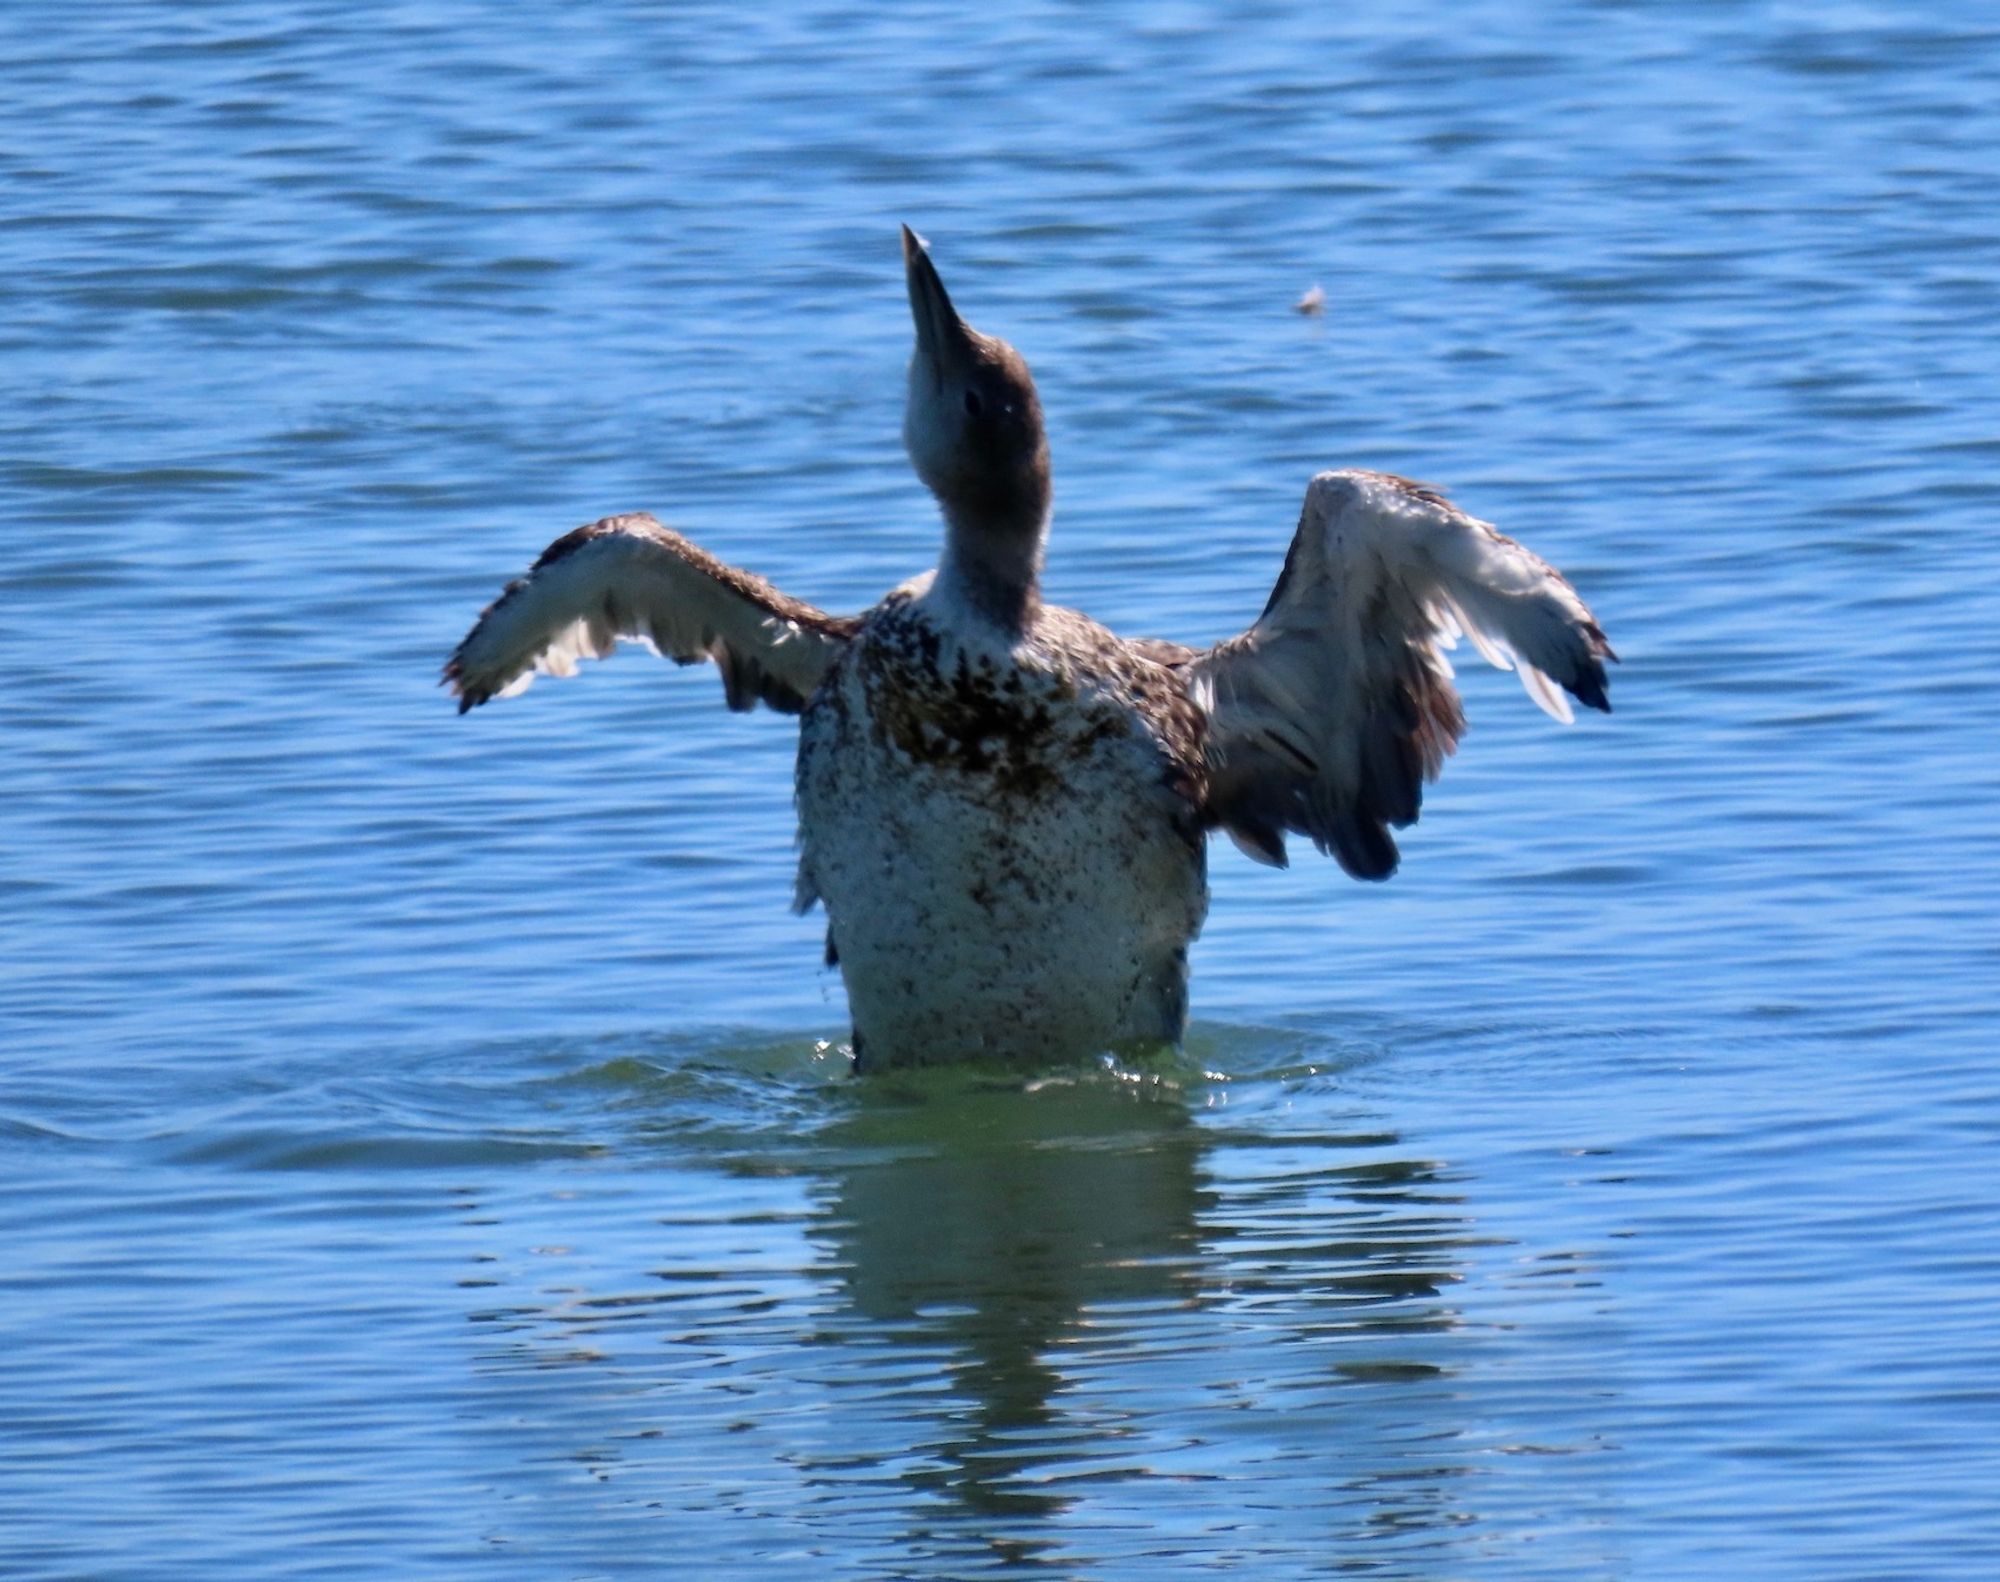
[973,405]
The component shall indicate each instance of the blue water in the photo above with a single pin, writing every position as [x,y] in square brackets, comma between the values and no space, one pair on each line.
[424,1148]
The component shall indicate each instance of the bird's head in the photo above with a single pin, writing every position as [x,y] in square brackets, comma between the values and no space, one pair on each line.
[973,423]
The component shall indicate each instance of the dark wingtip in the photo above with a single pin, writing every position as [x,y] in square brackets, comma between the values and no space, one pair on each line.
[454,677]
[1363,847]
[1588,686]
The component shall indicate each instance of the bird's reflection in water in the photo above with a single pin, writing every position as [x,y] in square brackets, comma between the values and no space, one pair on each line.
[1130,1296]
[997,1224]
[958,1322]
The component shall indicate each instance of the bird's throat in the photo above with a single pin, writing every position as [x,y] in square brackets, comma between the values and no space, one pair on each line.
[994,566]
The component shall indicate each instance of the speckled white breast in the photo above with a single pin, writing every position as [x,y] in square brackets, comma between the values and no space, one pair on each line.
[1007,851]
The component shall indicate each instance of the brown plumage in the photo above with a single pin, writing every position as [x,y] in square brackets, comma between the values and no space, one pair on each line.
[627,577]
[1002,804]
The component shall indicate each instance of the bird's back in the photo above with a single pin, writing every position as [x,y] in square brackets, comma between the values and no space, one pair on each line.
[1006,834]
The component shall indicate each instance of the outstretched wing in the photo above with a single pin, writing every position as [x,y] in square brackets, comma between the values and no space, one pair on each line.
[1330,713]
[628,577]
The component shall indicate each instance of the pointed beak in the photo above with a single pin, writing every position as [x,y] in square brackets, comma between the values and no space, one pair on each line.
[943,338]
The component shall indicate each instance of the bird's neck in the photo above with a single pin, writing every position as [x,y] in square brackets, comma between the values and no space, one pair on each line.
[994,565]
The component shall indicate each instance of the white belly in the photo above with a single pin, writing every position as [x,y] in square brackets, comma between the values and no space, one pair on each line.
[1017,882]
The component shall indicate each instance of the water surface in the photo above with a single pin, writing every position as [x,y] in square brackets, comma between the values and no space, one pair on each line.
[424,1144]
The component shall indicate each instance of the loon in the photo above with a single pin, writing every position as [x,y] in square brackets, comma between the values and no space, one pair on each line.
[1004,807]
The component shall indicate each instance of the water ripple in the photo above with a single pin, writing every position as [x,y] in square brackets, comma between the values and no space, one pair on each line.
[425,1145]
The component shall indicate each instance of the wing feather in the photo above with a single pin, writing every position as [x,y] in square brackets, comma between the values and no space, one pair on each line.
[1330,714]
[627,578]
